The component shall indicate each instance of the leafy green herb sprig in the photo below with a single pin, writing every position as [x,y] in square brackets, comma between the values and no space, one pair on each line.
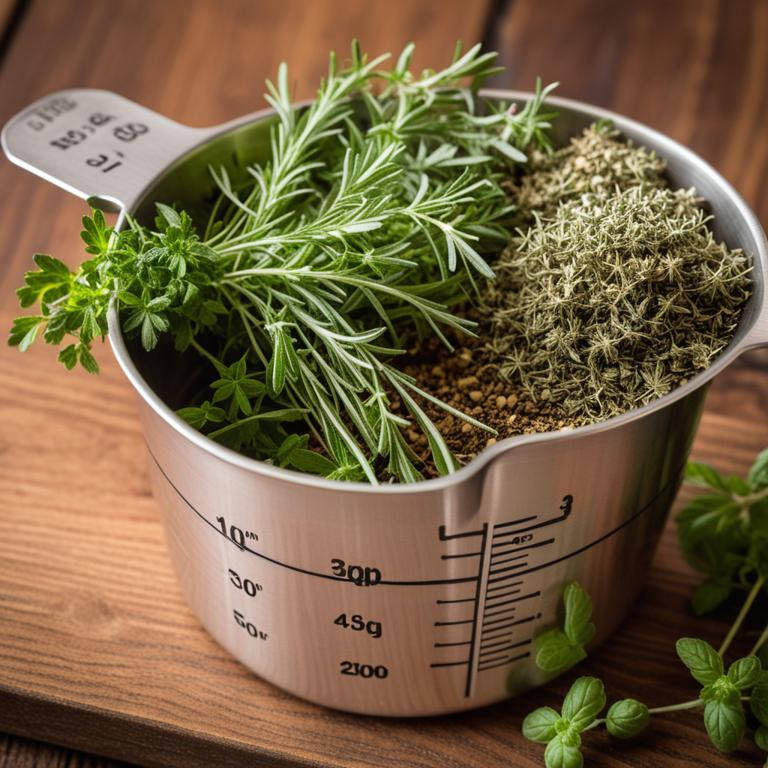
[724,535]
[375,214]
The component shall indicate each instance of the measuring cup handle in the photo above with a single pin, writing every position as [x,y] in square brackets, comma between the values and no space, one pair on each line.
[96,144]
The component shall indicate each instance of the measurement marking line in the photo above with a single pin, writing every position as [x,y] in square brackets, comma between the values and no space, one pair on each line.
[296,568]
[672,483]
[449,663]
[448,536]
[520,549]
[470,667]
[503,586]
[494,561]
[514,600]
[464,554]
[462,600]
[499,597]
[514,522]
[502,642]
[497,657]
[498,621]
[446,623]
[509,575]
[499,613]
[487,633]
[506,661]
[494,571]
[450,645]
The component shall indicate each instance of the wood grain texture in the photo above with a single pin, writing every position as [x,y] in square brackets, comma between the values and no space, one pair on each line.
[17,752]
[97,651]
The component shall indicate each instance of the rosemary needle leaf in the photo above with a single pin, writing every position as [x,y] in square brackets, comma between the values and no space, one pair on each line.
[380,202]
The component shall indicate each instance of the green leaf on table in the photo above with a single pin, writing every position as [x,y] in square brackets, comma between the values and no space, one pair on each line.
[555,653]
[540,725]
[583,702]
[563,752]
[745,672]
[725,724]
[559,649]
[626,718]
[578,612]
[703,661]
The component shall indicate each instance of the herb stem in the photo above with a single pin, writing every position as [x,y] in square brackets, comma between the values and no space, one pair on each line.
[753,593]
[693,704]
[760,642]
[752,498]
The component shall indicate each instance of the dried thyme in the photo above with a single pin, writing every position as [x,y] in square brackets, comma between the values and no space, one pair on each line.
[615,296]
[596,161]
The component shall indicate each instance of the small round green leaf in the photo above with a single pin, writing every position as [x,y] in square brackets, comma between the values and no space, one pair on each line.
[709,595]
[701,658]
[555,652]
[626,718]
[539,725]
[584,702]
[758,702]
[578,612]
[758,474]
[725,724]
[761,737]
[745,672]
[562,754]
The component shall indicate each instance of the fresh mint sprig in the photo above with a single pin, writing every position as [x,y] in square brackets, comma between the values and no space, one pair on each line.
[725,535]
[560,648]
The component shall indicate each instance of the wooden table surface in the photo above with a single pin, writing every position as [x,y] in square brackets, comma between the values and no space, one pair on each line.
[89,609]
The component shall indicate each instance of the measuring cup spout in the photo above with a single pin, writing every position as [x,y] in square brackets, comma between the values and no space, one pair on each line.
[97,145]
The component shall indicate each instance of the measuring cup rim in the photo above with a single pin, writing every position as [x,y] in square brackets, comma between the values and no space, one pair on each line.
[669,147]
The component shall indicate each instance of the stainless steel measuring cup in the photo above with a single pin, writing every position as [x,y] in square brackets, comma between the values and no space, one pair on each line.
[397,600]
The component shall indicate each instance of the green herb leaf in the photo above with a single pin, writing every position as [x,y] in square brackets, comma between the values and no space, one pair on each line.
[96,234]
[626,718]
[539,725]
[583,702]
[563,752]
[745,672]
[703,661]
[701,474]
[725,724]
[758,473]
[578,612]
[555,653]
[761,737]
[758,702]
[24,331]
[710,594]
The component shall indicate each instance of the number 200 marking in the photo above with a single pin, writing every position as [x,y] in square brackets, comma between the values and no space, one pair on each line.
[363,670]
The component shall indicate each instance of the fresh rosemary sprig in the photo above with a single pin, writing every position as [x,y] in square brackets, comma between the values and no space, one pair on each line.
[725,535]
[375,214]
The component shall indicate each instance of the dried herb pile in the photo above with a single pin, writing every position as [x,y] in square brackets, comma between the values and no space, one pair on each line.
[613,292]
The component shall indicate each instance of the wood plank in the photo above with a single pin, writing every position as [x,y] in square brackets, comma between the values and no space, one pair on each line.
[97,650]
[25,753]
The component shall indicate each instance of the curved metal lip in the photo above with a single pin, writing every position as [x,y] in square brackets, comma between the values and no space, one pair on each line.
[483,460]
